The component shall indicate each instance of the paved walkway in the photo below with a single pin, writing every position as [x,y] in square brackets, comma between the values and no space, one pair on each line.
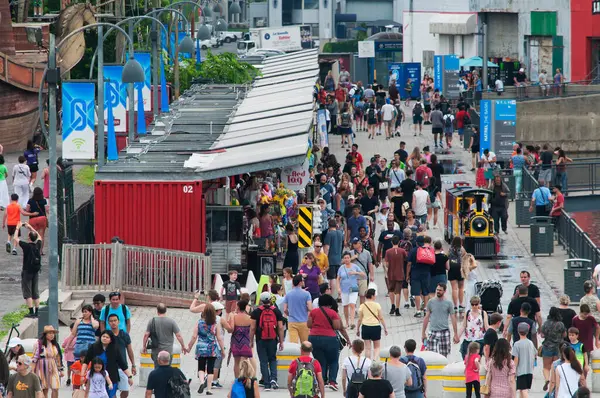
[546,273]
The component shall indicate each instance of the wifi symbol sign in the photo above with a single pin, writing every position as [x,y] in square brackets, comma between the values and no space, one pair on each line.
[78,142]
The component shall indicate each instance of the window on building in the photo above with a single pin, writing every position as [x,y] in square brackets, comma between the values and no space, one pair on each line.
[596,7]
[308,4]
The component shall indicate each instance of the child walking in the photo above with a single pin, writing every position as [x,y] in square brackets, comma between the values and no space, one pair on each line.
[525,354]
[97,380]
[68,346]
[472,369]
[76,370]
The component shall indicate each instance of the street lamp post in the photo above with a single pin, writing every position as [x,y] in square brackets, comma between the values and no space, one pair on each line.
[132,72]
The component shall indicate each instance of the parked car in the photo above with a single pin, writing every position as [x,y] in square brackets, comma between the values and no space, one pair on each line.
[229,37]
[267,52]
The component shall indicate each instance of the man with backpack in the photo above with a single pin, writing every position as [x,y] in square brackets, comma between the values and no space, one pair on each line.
[417,368]
[462,120]
[420,260]
[437,125]
[32,264]
[165,381]
[423,173]
[417,114]
[267,326]
[120,310]
[305,375]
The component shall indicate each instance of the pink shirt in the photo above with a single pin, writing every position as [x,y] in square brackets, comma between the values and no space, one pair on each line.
[47,185]
[471,369]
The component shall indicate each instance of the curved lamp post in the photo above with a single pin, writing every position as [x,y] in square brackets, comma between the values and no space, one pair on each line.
[131,73]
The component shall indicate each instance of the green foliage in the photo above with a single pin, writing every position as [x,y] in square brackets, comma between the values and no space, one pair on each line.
[347,46]
[85,176]
[222,68]
[362,34]
[10,318]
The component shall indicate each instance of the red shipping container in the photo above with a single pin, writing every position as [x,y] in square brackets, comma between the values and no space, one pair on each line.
[163,214]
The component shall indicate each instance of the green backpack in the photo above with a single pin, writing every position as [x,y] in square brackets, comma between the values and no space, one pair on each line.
[304,384]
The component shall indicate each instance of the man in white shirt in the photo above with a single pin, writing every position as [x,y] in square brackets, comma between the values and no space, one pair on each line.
[388,114]
[499,86]
[420,202]
[543,79]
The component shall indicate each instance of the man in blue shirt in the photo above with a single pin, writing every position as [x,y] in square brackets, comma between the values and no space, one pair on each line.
[541,200]
[120,310]
[296,305]
[354,224]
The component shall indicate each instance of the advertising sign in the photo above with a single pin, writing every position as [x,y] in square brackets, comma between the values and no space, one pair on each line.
[437,72]
[78,105]
[498,124]
[306,36]
[112,76]
[144,59]
[295,177]
[402,71]
[396,69]
[451,79]
[366,49]
[322,127]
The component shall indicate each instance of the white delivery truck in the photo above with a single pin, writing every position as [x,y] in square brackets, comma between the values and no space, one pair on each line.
[285,38]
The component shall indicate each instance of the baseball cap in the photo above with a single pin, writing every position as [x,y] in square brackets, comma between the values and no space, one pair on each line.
[373,159]
[521,70]
[24,359]
[218,306]
[523,328]
[265,296]
[15,341]
[351,197]
[385,206]
[355,240]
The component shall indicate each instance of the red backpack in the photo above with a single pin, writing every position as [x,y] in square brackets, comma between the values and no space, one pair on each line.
[425,255]
[422,175]
[267,323]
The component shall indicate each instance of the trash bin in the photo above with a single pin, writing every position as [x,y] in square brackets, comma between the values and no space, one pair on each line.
[509,179]
[43,316]
[468,132]
[541,234]
[576,272]
[522,214]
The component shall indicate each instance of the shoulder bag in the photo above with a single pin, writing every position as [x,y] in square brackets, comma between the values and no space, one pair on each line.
[151,343]
[485,388]
[574,395]
[548,206]
[341,340]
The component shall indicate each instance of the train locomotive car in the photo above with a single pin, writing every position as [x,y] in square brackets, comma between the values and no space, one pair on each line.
[466,216]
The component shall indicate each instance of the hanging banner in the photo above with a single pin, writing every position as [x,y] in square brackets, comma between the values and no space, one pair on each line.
[112,76]
[295,177]
[78,105]
[146,61]
[485,125]
[322,127]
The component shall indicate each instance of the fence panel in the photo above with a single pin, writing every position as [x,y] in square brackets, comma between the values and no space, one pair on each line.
[88,267]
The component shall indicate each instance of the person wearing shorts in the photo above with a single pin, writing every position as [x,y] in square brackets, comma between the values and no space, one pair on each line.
[347,279]
[418,117]
[419,274]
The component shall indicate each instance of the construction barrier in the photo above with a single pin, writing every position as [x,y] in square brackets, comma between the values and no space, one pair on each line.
[435,365]
[596,371]
[290,352]
[453,380]
[147,365]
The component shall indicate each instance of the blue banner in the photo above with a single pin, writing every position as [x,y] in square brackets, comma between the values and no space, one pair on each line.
[506,110]
[437,72]
[171,53]
[412,71]
[485,125]
[78,120]
[112,76]
[322,127]
[396,69]
[145,60]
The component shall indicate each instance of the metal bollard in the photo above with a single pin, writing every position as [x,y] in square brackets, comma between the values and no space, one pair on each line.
[290,352]
[453,380]
[596,371]
[147,365]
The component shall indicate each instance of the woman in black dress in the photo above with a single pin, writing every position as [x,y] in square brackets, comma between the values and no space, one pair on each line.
[291,255]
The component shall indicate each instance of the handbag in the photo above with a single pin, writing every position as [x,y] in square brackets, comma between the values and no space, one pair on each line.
[341,340]
[548,206]
[485,388]
[151,343]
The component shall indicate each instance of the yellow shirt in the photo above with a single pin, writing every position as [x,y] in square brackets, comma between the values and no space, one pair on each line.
[368,319]
[322,261]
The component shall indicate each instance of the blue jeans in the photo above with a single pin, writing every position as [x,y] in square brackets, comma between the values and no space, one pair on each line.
[561,178]
[267,356]
[326,351]
[518,173]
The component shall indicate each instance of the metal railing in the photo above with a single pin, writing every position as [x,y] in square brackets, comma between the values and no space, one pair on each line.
[105,267]
[575,241]
[537,91]
[582,175]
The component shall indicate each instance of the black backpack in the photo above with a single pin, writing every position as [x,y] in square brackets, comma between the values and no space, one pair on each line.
[35,261]
[417,110]
[357,378]
[178,387]
[371,115]
[448,121]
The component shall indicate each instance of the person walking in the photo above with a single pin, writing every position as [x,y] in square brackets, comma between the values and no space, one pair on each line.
[324,324]
[241,348]
[84,330]
[499,203]
[518,164]
[295,380]
[395,261]
[296,306]
[333,246]
[24,383]
[291,259]
[570,375]
[32,264]
[524,355]
[161,329]
[116,307]
[421,200]
[376,386]
[311,273]
[472,364]
[490,338]
[39,206]
[158,379]
[106,348]
[31,155]
[474,147]
[438,271]
[501,372]
[591,299]
[48,361]
[123,341]
[370,323]
[4,196]
[553,331]
[437,126]
[348,289]
[267,327]
[540,200]
[397,373]
[420,260]
[209,345]
[561,170]
[363,258]
[455,256]
[474,326]
[21,177]
[354,367]
[438,311]
[418,389]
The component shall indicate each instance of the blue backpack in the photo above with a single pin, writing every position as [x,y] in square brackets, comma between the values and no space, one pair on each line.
[238,390]
[415,374]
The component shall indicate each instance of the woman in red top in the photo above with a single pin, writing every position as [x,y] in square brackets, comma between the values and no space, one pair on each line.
[323,323]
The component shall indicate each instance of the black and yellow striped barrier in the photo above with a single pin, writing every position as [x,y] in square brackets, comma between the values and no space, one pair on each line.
[147,365]
[305,229]
[595,371]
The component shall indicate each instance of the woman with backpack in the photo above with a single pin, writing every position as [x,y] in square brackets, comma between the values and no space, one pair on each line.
[345,125]
[371,120]
[455,277]
[355,370]
[246,385]
[474,326]
[208,340]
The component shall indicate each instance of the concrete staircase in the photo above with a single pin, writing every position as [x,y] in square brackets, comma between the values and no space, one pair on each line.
[70,304]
